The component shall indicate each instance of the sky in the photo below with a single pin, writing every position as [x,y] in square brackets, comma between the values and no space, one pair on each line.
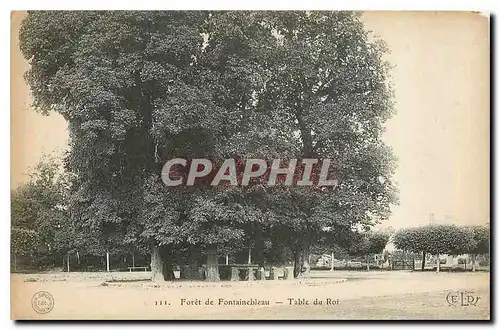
[440,133]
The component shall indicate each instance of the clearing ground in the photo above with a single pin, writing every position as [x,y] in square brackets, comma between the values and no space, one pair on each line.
[343,295]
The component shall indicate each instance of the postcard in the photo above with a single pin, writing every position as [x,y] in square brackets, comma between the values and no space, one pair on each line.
[250,165]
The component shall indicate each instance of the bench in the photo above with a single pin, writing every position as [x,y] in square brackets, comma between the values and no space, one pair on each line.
[130,269]
[235,271]
[286,273]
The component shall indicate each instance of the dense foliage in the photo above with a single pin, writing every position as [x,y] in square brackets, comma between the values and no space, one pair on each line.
[140,88]
[443,239]
[38,208]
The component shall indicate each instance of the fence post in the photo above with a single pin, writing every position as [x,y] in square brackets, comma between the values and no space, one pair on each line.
[107,262]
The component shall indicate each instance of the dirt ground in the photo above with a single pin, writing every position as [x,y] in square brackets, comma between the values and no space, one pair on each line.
[337,295]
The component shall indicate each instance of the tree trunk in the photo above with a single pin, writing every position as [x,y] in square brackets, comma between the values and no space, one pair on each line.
[250,256]
[156,265]
[423,261]
[133,259]
[303,264]
[168,271]
[367,263]
[107,262]
[15,262]
[306,268]
[296,264]
[68,262]
[212,264]
[438,264]
[191,271]
[271,273]
[194,253]
[332,266]
[258,248]
[473,262]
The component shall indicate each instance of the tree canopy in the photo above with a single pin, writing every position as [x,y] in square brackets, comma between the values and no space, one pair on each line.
[481,237]
[140,88]
[435,239]
[38,207]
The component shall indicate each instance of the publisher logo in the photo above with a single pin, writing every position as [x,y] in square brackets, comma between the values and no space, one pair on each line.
[462,298]
[42,302]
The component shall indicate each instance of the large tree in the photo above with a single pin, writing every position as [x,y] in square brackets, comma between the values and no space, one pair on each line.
[330,84]
[140,88]
[105,73]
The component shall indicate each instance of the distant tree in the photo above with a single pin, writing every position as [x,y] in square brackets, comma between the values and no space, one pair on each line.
[435,239]
[447,239]
[378,241]
[23,242]
[481,245]
[412,240]
[370,243]
[39,206]
[359,244]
